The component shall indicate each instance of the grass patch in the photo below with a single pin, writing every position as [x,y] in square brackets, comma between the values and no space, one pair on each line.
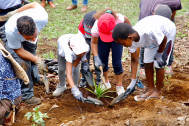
[49,55]
[63,22]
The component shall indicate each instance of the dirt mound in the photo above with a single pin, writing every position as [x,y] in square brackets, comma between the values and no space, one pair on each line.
[154,112]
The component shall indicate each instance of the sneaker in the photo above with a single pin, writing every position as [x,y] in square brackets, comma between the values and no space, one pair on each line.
[120,90]
[141,72]
[59,90]
[83,83]
[33,100]
[168,70]
[108,85]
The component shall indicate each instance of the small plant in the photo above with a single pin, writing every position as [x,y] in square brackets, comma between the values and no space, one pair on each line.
[99,91]
[37,117]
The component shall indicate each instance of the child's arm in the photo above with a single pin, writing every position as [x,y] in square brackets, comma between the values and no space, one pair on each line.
[126,20]
[162,45]
[28,6]
[134,63]
[69,74]
[158,58]
[75,91]
[94,45]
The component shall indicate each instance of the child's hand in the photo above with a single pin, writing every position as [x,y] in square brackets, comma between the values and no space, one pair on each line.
[77,94]
[97,61]
[158,60]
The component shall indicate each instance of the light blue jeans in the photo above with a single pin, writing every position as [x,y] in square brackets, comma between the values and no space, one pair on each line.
[85,2]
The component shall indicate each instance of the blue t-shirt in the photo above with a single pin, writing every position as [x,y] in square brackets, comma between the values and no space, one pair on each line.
[9,85]
[6,4]
[14,39]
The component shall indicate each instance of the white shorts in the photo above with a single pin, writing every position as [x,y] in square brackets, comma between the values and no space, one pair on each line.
[149,53]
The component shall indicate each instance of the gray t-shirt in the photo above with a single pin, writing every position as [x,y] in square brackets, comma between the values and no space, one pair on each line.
[14,39]
[148,6]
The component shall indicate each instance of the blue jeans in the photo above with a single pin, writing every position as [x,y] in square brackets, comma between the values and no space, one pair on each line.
[97,71]
[103,52]
[85,2]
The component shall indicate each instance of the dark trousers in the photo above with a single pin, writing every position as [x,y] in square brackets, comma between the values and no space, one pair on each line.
[103,52]
[97,71]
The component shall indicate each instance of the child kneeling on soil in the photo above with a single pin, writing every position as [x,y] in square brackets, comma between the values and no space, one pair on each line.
[72,49]
[156,34]
[10,88]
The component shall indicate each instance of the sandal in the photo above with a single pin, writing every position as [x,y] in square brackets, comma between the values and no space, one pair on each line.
[137,98]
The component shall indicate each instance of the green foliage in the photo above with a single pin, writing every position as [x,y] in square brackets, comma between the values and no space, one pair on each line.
[99,91]
[64,22]
[166,81]
[180,34]
[37,117]
[49,55]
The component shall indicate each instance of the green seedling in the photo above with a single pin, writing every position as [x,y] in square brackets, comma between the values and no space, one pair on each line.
[99,91]
[37,117]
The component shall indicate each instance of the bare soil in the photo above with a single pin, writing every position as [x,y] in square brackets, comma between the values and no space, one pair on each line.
[169,111]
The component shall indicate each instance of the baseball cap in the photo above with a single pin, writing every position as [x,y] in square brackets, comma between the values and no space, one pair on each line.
[163,10]
[106,24]
[88,22]
[78,44]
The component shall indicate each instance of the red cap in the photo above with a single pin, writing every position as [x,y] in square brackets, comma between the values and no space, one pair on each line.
[106,24]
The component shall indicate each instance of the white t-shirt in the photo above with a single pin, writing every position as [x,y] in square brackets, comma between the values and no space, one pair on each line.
[152,30]
[95,31]
[64,49]
[14,39]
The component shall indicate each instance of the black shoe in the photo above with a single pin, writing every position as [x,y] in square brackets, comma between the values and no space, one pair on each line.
[98,80]
[83,83]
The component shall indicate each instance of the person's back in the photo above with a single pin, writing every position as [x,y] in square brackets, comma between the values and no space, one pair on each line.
[147,6]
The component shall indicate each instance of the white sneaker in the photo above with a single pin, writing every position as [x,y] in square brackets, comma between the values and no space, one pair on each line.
[59,90]
[108,85]
[120,90]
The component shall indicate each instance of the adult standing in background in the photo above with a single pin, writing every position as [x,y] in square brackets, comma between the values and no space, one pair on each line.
[74,5]
[147,8]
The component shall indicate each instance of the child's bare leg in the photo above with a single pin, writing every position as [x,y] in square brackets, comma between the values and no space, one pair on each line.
[105,74]
[119,79]
[149,71]
[159,82]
